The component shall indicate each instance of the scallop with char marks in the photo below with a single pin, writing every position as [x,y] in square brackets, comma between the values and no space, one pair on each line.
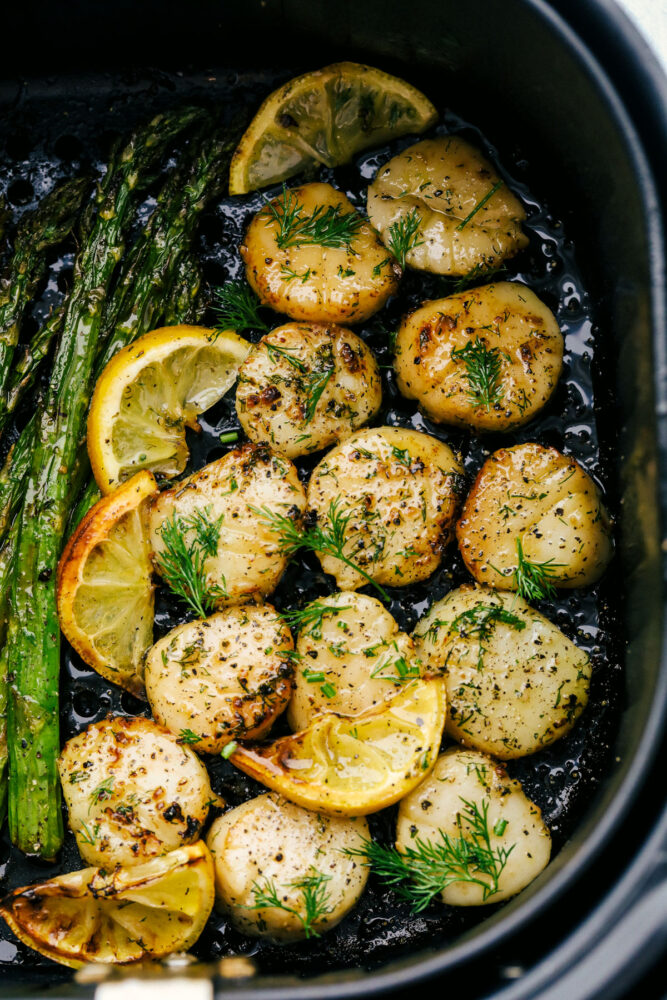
[132,790]
[352,655]
[216,511]
[534,520]
[269,849]
[490,823]
[461,215]
[310,255]
[515,683]
[487,359]
[305,386]
[227,677]
[396,493]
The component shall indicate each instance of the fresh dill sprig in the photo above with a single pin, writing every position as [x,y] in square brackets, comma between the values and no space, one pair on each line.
[315,383]
[315,898]
[532,579]
[89,836]
[329,538]
[421,871]
[480,204]
[276,352]
[311,383]
[478,622]
[188,737]
[309,620]
[238,308]
[325,226]
[404,235]
[102,792]
[181,563]
[483,366]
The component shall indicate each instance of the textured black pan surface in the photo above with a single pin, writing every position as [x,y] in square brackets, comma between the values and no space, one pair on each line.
[56,129]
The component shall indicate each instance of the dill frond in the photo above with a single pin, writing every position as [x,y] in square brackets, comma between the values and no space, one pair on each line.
[404,235]
[238,308]
[483,366]
[425,868]
[534,580]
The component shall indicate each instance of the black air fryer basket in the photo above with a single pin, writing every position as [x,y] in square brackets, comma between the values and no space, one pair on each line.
[569,101]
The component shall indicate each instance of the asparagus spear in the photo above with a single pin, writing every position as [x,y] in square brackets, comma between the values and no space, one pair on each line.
[183,303]
[12,476]
[155,263]
[161,257]
[7,568]
[47,226]
[33,639]
[24,373]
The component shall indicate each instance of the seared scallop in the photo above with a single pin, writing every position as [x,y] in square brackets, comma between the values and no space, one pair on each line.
[534,520]
[224,678]
[515,683]
[391,494]
[281,871]
[443,203]
[133,791]
[352,655]
[486,359]
[468,797]
[216,512]
[306,385]
[310,255]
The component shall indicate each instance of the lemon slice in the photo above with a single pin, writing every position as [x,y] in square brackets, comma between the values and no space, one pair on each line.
[117,916]
[104,586]
[325,117]
[355,765]
[150,392]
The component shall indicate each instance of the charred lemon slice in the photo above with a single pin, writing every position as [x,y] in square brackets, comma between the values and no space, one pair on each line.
[150,392]
[117,916]
[355,765]
[104,586]
[325,117]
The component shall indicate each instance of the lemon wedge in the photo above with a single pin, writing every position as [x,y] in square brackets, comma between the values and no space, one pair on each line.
[326,117]
[117,916]
[150,392]
[104,585]
[355,765]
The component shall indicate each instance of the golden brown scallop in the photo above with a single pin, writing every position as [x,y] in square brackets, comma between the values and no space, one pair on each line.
[133,791]
[534,516]
[515,683]
[470,796]
[463,218]
[223,678]
[352,655]
[396,492]
[269,848]
[305,386]
[218,505]
[310,255]
[487,359]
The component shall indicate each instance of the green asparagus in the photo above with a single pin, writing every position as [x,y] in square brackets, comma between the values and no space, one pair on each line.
[13,474]
[33,639]
[7,568]
[47,226]
[183,304]
[24,373]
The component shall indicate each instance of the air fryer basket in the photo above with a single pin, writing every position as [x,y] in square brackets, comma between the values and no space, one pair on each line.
[516,70]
